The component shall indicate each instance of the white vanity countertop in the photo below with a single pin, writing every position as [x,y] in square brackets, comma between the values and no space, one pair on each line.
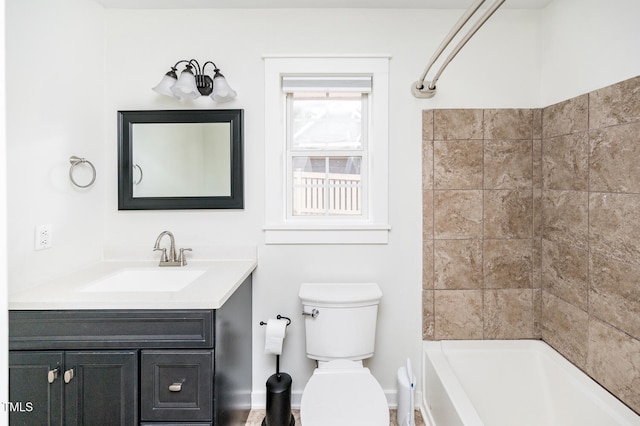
[209,291]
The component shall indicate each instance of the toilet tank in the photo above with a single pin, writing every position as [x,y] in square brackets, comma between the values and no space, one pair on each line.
[345,324]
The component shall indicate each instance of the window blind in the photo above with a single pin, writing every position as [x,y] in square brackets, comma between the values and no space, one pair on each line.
[360,84]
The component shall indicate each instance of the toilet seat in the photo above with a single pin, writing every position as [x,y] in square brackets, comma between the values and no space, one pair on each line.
[343,397]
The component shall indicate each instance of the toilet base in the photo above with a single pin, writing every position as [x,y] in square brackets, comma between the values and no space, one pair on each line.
[343,397]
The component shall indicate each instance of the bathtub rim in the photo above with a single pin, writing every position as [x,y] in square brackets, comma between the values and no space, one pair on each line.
[463,406]
[465,409]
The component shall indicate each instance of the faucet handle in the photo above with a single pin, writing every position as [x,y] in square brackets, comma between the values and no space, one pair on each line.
[182,258]
[163,256]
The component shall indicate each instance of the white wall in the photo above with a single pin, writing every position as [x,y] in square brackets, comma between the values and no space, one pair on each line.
[490,73]
[4,332]
[55,98]
[507,64]
[586,45]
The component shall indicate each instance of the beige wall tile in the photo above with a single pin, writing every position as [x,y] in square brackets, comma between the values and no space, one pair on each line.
[457,164]
[458,124]
[427,264]
[615,293]
[565,327]
[537,313]
[508,314]
[565,117]
[537,213]
[458,214]
[613,160]
[427,214]
[427,165]
[537,164]
[508,124]
[508,214]
[508,263]
[463,165]
[614,226]
[507,164]
[565,273]
[537,123]
[588,309]
[614,361]
[565,162]
[615,104]
[458,264]
[536,280]
[565,217]
[427,125]
[458,314]
[427,315]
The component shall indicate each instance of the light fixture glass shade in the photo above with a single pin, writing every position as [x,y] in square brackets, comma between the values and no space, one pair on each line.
[222,92]
[185,87]
[165,85]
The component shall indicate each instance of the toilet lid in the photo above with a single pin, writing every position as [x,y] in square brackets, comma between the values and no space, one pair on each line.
[343,398]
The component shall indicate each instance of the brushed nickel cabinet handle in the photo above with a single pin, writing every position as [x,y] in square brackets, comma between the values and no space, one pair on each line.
[68,375]
[175,387]
[52,375]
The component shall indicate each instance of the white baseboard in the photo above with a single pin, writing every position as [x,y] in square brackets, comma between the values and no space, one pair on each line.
[259,399]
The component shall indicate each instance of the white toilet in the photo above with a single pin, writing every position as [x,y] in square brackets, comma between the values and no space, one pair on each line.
[340,324]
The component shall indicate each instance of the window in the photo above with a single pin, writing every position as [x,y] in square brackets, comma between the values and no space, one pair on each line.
[326,150]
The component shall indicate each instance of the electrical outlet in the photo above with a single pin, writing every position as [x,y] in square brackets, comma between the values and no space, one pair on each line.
[44,238]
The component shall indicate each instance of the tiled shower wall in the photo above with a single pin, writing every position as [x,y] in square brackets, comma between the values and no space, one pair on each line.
[480,188]
[532,229]
[591,235]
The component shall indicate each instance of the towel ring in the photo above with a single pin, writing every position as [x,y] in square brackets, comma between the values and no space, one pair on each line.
[74,162]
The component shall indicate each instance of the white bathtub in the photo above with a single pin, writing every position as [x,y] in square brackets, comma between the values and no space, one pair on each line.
[512,383]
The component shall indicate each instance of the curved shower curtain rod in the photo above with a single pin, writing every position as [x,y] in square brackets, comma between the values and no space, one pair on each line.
[426,89]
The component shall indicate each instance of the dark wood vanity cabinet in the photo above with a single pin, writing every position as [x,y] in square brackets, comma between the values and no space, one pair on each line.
[132,367]
[72,388]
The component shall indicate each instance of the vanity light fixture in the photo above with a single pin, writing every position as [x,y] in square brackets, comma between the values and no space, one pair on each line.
[192,86]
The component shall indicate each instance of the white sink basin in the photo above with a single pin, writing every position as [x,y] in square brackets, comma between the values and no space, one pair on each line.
[144,280]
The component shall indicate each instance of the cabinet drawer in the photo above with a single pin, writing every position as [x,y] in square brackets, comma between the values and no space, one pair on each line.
[176,385]
[115,329]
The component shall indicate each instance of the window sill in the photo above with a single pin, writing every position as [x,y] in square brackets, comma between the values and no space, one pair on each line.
[327,234]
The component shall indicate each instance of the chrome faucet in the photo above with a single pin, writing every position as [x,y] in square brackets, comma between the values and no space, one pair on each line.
[170,260]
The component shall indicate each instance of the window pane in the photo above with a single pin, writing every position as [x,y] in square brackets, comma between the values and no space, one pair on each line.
[326,121]
[325,186]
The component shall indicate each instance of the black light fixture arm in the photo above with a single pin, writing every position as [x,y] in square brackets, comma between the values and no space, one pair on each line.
[204,83]
[195,81]
[194,63]
[172,72]
[215,67]
[188,61]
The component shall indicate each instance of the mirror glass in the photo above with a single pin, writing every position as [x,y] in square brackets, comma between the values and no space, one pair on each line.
[180,159]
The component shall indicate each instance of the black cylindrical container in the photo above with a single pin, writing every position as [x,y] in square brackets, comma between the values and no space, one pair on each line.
[279,401]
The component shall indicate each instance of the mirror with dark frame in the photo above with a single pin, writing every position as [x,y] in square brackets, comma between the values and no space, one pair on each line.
[180,159]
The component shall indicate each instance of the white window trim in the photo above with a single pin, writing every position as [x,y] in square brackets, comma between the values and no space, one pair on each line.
[282,230]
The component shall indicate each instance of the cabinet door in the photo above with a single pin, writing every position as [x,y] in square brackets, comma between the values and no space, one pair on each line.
[101,388]
[177,385]
[35,388]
